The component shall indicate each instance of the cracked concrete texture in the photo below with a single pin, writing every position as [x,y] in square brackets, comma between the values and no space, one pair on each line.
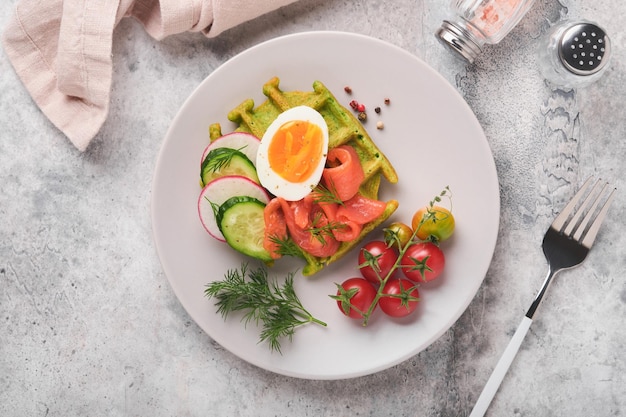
[90,326]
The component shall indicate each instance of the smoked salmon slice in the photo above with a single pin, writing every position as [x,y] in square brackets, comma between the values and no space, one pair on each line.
[344,173]
[275,228]
[361,209]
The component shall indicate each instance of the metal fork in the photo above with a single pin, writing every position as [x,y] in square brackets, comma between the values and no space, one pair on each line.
[565,245]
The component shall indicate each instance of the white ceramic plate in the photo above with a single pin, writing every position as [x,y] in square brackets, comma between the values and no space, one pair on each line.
[430,135]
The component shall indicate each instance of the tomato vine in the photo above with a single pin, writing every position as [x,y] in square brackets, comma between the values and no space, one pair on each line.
[404,245]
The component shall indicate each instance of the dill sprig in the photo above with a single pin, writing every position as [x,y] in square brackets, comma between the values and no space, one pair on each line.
[321,230]
[220,158]
[286,247]
[265,302]
[214,207]
[328,195]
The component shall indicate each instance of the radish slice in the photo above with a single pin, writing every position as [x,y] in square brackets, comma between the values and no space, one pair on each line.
[246,143]
[221,189]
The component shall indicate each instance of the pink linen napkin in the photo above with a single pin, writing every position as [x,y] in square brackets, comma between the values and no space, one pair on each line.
[61,49]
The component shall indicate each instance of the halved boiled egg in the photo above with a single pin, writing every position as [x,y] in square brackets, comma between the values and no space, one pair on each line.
[292,153]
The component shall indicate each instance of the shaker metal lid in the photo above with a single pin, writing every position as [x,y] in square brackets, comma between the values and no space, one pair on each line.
[584,48]
[459,39]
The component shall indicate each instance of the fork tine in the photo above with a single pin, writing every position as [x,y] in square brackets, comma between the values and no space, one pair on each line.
[558,223]
[590,213]
[583,207]
[595,226]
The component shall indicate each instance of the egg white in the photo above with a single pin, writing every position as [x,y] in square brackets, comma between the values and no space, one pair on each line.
[270,179]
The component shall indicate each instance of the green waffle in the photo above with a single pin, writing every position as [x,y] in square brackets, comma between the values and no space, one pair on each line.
[343,128]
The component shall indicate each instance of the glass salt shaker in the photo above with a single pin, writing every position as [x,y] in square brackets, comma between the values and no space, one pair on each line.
[574,54]
[480,22]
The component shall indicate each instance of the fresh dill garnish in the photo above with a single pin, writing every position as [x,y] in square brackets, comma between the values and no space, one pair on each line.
[265,302]
[214,207]
[220,158]
[287,247]
[322,194]
[321,230]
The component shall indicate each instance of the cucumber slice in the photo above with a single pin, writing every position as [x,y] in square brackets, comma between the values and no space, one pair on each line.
[241,220]
[246,143]
[215,193]
[226,161]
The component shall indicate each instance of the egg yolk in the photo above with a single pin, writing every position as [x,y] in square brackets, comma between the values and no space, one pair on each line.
[296,150]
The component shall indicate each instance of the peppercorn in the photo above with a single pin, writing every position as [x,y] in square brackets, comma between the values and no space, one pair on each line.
[354,104]
[377,109]
[360,108]
[362,116]
[380,125]
[387,101]
[347,89]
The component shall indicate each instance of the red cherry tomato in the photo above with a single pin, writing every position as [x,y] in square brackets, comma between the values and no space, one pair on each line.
[422,262]
[376,259]
[355,297]
[400,297]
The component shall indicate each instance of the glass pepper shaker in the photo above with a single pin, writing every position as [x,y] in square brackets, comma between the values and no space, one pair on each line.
[574,53]
[480,22]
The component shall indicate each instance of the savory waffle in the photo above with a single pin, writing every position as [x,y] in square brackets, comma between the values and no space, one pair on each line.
[343,128]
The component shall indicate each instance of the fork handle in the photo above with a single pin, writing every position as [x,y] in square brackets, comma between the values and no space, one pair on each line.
[501,369]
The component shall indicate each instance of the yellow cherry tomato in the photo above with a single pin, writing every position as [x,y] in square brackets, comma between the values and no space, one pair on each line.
[398,234]
[433,223]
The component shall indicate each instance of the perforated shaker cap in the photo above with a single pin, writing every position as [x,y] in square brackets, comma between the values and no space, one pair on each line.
[584,48]
[459,40]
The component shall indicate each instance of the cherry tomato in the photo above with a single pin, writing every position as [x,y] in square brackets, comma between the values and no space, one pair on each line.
[398,234]
[376,259]
[437,223]
[355,296]
[400,297]
[422,262]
